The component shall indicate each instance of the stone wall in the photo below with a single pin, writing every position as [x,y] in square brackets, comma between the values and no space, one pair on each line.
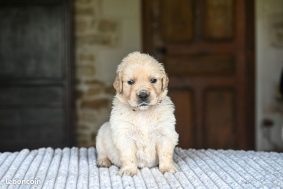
[269,64]
[105,31]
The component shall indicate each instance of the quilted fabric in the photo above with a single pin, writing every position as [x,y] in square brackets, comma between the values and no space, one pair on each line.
[76,168]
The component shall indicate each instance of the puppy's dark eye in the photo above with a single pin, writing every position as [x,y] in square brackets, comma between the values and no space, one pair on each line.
[131,82]
[153,80]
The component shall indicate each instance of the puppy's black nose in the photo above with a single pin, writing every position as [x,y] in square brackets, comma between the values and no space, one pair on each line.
[143,95]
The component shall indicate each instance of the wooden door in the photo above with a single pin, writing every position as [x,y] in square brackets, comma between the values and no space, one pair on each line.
[35,74]
[207,49]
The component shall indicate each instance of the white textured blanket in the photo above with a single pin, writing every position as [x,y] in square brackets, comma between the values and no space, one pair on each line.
[76,168]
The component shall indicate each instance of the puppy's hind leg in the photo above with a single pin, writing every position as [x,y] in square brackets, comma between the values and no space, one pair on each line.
[102,159]
[103,162]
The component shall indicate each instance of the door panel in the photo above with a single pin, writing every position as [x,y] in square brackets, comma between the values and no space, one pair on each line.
[36,101]
[36,52]
[220,118]
[177,30]
[218,16]
[204,47]
[31,127]
[183,100]
[199,64]
[32,96]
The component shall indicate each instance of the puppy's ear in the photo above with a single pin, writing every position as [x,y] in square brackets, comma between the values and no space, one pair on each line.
[164,82]
[118,83]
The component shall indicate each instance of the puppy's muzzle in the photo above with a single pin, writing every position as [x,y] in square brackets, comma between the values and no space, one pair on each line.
[143,96]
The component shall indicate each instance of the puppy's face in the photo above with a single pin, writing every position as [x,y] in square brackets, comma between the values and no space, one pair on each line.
[141,81]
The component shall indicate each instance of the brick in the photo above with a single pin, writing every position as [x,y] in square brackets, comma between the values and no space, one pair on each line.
[84,11]
[93,137]
[93,23]
[85,71]
[106,25]
[86,57]
[87,116]
[84,143]
[77,81]
[94,82]
[86,139]
[110,90]
[82,129]
[79,2]
[95,104]
[81,26]
[92,88]
[94,91]
[94,39]
[78,94]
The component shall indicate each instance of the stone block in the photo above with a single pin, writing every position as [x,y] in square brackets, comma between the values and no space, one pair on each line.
[86,57]
[94,39]
[79,2]
[81,26]
[85,71]
[94,82]
[84,11]
[93,91]
[107,25]
[78,94]
[95,103]
[87,116]
[110,90]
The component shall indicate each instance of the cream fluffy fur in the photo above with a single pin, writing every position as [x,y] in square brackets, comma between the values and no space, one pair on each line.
[139,135]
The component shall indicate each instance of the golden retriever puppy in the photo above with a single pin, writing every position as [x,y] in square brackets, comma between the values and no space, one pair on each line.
[141,131]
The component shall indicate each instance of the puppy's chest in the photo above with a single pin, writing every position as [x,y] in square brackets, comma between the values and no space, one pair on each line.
[145,127]
[145,135]
[145,131]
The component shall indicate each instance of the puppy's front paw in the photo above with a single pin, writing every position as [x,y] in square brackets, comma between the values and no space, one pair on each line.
[105,162]
[128,170]
[170,168]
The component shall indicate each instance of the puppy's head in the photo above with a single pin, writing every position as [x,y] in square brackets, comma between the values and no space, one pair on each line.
[140,81]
